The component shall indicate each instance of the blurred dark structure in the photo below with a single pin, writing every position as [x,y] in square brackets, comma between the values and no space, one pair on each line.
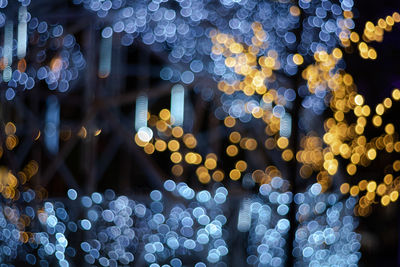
[111,160]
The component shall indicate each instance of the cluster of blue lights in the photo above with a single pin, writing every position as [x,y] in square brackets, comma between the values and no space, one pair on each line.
[194,228]
[323,24]
[182,29]
[269,225]
[39,52]
[241,106]
[326,233]
[112,229]
[178,226]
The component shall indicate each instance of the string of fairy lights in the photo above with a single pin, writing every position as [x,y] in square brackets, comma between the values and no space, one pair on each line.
[252,50]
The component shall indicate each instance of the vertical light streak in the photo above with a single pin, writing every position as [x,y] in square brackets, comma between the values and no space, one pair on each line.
[177,104]
[22,32]
[244,218]
[51,131]
[8,47]
[144,133]
[286,126]
[105,57]
[141,112]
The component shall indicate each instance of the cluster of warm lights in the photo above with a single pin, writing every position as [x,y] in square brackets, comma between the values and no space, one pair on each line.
[387,191]
[266,176]
[244,61]
[11,139]
[181,147]
[314,158]
[279,142]
[10,184]
[363,152]
[345,138]
[256,72]
[372,32]
[15,187]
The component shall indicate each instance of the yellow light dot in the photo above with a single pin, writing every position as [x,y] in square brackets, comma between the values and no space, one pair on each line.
[396,17]
[351,169]
[177,132]
[357,111]
[198,159]
[189,140]
[232,150]
[173,145]
[371,154]
[176,157]
[371,186]
[282,142]
[149,148]
[210,163]
[294,11]
[287,155]
[385,200]
[230,62]
[366,111]
[379,109]
[381,189]
[160,145]
[396,165]
[270,143]
[396,94]
[337,53]
[394,196]
[236,48]
[372,54]
[348,14]
[218,176]
[97,132]
[11,142]
[377,121]
[234,174]
[161,126]
[251,144]
[344,188]
[354,37]
[298,59]
[388,179]
[305,171]
[347,79]
[269,62]
[139,142]
[177,170]
[382,23]
[362,185]
[204,178]
[389,128]
[234,137]
[396,147]
[389,20]
[229,122]
[190,158]
[363,47]
[201,169]
[10,128]
[164,114]
[387,102]
[241,165]
[370,196]
[339,115]
[354,190]
[222,38]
